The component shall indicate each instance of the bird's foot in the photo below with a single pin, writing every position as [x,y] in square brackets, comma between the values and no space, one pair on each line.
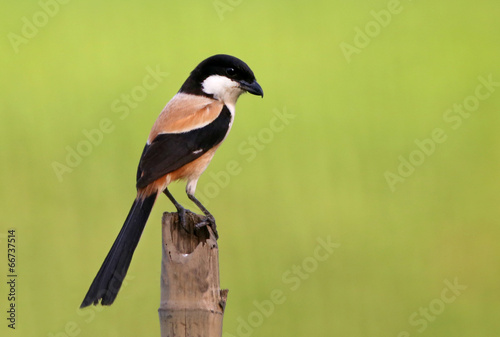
[182,219]
[208,221]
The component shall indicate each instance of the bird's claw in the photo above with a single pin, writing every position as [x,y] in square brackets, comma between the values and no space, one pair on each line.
[182,218]
[208,221]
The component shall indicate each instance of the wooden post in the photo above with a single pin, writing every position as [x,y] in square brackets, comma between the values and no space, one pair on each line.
[192,303]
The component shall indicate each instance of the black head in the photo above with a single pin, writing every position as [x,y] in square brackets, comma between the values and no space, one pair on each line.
[222,77]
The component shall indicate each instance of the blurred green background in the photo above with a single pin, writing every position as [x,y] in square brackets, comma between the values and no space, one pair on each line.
[319,173]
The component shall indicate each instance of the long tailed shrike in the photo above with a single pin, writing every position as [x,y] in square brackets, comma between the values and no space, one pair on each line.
[181,144]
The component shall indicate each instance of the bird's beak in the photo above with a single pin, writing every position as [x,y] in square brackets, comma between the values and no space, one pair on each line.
[254,88]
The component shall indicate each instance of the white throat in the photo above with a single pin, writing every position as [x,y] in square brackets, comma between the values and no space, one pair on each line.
[222,88]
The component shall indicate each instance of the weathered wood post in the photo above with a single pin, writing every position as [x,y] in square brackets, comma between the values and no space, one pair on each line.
[192,303]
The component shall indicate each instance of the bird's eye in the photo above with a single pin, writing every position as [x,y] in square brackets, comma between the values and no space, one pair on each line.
[231,71]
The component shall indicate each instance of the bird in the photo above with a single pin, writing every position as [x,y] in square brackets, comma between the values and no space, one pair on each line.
[181,144]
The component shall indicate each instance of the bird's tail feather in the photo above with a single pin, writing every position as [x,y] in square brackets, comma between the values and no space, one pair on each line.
[109,279]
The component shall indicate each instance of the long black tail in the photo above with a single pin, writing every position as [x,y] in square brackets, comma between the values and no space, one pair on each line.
[109,279]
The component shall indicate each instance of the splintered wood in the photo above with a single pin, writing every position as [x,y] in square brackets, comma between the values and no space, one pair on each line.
[192,303]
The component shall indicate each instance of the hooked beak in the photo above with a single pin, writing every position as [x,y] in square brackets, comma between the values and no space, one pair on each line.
[254,88]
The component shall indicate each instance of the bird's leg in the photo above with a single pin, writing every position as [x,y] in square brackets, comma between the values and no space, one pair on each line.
[181,211]
[209,221]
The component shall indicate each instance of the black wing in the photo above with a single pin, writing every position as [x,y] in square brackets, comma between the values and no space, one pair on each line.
[170,151]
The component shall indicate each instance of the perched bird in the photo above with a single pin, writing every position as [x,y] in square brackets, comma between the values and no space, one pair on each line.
[181,144]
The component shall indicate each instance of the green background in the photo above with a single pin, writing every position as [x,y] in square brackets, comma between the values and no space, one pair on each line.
[320,176]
